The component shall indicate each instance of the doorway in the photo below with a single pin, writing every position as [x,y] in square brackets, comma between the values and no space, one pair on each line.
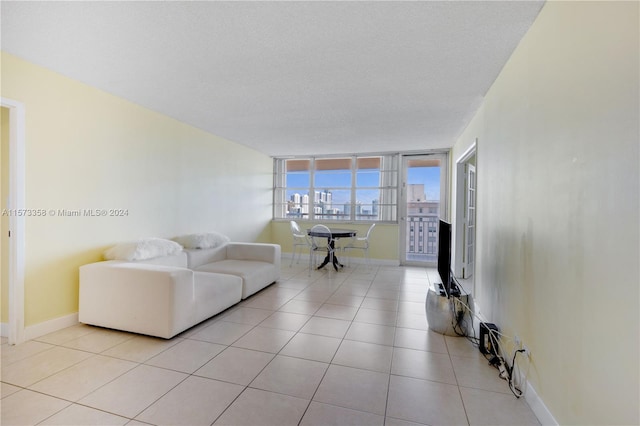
[424,201]
[12,188]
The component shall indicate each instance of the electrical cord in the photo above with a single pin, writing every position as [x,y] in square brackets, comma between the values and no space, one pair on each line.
[491,331]
[459,323]
[497,361]
[514,389]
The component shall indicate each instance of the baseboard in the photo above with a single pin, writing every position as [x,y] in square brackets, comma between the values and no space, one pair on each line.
[4,329]
[38,330]
[537,406]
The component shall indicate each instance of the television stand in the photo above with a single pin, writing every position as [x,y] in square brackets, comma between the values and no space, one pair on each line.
[455,289]
[442,310]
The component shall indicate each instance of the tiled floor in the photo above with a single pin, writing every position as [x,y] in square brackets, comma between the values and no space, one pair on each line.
[346,348]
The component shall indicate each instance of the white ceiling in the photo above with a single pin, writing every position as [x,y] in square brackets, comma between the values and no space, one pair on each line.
[285,78]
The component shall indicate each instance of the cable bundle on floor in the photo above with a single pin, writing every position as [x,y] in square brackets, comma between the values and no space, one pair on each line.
[463,320]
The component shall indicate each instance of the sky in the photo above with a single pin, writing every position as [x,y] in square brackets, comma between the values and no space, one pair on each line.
[429,176]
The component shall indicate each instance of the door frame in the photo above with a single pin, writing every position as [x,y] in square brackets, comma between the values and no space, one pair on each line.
[444,157]
[16,222]
[460,196]
[468,269]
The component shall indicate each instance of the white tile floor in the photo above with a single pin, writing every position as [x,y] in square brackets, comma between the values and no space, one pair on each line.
[345,348]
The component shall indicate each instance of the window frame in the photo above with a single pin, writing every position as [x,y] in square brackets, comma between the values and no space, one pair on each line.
[388,189]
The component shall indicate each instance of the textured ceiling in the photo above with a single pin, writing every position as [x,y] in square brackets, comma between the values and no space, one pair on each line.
[285,78]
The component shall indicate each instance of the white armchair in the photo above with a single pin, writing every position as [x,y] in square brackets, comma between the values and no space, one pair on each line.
[300,241]
[360,243]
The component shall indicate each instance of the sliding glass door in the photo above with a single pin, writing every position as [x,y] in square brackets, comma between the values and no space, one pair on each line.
[424,201]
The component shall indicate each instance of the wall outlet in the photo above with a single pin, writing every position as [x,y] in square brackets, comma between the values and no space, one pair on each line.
[519,345]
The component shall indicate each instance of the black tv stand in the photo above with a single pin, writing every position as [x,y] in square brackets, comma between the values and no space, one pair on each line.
[455,289]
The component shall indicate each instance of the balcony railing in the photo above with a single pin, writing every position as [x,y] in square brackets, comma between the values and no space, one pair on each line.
[422,238]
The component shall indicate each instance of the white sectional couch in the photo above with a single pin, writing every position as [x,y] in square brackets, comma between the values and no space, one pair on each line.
[257,264]
[165,295]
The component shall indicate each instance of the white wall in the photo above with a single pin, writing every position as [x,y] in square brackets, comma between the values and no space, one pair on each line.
[558,189]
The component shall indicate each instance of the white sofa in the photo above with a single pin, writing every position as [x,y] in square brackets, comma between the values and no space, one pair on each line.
[166,295]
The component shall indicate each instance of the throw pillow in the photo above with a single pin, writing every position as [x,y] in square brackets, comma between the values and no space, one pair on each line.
[146,248]
[202,241]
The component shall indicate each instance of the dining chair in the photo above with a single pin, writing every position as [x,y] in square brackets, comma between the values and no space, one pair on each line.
[300,241]
[360,243]
[320,244]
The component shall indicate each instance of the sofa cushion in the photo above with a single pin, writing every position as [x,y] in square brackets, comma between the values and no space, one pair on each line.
[199,257]
[146,248]
[255,274]
[203,240]
[215,292]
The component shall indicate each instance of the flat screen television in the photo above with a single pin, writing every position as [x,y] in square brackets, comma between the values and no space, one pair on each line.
[444,257]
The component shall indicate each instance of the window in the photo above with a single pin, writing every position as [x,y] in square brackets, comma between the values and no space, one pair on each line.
[337,188]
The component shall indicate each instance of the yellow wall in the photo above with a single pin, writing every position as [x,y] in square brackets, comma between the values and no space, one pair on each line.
[384,238]
[86,149]
[558,189]
[4,240]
